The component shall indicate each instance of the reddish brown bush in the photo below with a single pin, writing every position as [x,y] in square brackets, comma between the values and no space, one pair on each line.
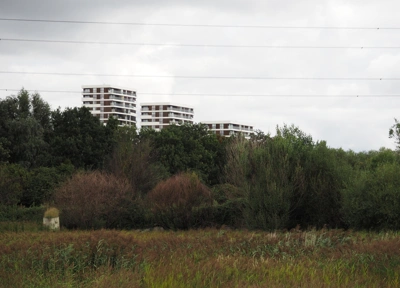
[92,200]
[175,201]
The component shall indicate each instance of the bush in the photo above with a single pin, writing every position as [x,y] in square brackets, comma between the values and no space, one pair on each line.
[287,180]
[136,160]
[13,180]
[323,177]
[372,199]
[93,200]
[42,183]
[176,201]
[228,206]
[262,171]
[19,213]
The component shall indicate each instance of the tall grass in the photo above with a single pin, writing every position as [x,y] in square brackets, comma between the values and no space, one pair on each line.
[201,258]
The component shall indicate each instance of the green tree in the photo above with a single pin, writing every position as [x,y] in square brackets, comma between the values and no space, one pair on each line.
[136,159]
[394,132]
[371,200]
[190,147]
[24,120]
[79,138]
[42,182]
[288,180]
[13,181]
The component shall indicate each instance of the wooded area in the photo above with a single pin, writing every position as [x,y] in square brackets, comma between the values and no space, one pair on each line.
[186,177]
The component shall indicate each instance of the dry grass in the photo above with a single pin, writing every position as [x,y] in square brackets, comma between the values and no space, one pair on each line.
[201,258]
[51,213]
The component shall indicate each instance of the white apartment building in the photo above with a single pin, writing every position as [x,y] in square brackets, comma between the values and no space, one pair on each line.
[159,115]
[105,101]
[229,128]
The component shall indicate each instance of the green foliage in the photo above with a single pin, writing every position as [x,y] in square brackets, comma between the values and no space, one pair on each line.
[394,132]
[371,199]
[24,122]
[79,138]
[289,180]
[383,156]
[42,182]
[13,181]
[10,213]
[229,203]
[137,160]
[190,147]
[320,190]
[266,182]
[270,187]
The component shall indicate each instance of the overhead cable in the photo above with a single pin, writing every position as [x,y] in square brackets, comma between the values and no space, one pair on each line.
[203,25]
[196,45]
[311,78]
[217,94]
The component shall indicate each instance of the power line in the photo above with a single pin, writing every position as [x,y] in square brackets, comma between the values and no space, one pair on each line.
[196,45]
[205,77]
[199,25]
[222,95]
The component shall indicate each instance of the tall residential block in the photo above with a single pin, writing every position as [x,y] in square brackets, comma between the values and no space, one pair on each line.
[161,114]
[105,101]
[228,128]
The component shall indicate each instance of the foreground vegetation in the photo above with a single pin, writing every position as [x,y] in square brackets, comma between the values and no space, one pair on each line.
[199,258]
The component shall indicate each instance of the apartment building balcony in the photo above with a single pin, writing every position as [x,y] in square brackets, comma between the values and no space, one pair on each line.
[122,98]
[123,111]
[186,110]
[116,104]
[121,91]
[87,98]
[182,116]
[91,105]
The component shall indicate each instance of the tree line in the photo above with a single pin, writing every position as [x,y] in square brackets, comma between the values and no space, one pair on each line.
[187,177]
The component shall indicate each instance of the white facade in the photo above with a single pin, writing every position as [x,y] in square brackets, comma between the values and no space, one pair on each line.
[158,115]
[105,101]
[228,128]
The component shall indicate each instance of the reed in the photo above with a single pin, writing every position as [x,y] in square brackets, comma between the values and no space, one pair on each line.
[199,258]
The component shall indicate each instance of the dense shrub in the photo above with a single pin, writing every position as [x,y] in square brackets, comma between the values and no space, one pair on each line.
[229,203]
[262,170]
[20,213]
[136,159]
[288,180]
[371,199]
[175,202]
[189,147]
[42,182]
[93,200]
[323,179]
[13,180]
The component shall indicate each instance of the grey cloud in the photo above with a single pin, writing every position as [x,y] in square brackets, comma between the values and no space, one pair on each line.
[359,124]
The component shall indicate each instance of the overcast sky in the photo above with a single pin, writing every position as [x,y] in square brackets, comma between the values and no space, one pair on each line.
[357,123]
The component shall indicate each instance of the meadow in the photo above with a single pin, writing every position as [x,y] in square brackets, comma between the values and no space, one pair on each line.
[33,257]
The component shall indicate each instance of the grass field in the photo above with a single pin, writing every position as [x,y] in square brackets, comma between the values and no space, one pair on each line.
[31,257]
